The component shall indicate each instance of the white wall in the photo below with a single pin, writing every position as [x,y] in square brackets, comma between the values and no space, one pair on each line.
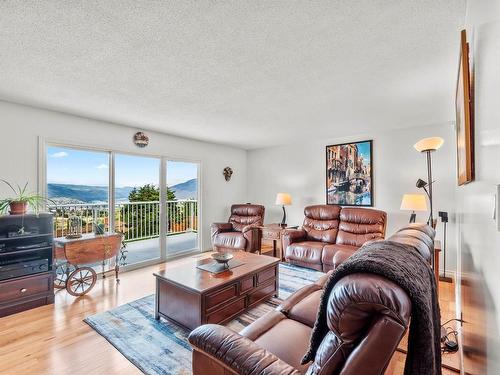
[299,169]
[21,126]
[478,236]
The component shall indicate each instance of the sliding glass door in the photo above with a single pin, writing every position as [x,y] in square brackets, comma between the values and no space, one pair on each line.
[137,206]
[153,201]
[182,207]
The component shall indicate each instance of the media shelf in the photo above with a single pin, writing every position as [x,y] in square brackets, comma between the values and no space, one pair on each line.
[26,262]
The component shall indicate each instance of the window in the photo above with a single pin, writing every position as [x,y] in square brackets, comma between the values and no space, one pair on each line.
[78,184]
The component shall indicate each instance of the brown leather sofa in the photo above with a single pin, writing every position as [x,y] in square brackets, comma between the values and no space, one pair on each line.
[241,231]
[330,234]
[367,317]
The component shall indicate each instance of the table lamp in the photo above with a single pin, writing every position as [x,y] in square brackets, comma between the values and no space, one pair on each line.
[413,202]
[283,199]
[427,146]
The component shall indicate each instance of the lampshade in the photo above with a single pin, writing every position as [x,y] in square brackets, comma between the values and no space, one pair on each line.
[429,144]
[414,202]
[283,199]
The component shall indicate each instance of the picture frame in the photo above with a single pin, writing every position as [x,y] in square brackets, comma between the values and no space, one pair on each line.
[464,116]
[349,174]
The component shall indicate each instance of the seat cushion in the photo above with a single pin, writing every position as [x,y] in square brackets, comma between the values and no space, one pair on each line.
[305,252]
[305,311]
[230,240]
[330,251]
[288,340]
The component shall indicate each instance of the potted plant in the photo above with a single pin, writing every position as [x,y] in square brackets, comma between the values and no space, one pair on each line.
[21,201]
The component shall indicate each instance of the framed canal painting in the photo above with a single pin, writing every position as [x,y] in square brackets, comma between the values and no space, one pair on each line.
[349,174]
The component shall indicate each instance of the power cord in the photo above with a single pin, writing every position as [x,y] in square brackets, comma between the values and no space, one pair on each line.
[449,339]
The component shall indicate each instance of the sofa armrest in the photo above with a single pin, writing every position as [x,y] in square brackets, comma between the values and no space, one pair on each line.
[302,293]
[290,236]
[252,234]
[217,228]
[323,279]
[236,352]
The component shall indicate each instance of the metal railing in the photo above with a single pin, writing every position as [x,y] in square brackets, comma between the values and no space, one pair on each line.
[136,220]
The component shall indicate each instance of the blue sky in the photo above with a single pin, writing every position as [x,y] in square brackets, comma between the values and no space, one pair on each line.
[77,167]
[364,151]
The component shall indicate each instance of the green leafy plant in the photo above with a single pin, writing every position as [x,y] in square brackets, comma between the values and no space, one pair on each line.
[21,195]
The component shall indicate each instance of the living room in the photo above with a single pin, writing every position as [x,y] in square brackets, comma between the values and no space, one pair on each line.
[148,147]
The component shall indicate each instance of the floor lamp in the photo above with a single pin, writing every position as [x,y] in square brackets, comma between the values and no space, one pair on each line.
[428,146]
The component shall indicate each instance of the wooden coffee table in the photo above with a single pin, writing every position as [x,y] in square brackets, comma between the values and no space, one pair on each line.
[192,297]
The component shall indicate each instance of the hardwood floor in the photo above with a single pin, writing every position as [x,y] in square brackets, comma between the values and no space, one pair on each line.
[54,340]
[450,361]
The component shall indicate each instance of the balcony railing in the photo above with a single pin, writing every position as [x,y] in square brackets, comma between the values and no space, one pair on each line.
[136,220]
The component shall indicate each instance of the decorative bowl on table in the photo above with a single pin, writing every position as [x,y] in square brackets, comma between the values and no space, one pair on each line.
[222,258]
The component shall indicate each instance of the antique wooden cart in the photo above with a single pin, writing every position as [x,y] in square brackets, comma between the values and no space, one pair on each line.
[76,258]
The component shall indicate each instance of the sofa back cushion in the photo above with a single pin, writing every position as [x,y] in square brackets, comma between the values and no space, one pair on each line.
[419,235]
[246,214]
[321,222]
[359,225]
[367,315]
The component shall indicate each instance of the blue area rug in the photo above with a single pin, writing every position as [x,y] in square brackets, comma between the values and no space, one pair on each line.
[161,347]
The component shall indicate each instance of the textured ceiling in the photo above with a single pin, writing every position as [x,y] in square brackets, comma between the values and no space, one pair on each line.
[246,73]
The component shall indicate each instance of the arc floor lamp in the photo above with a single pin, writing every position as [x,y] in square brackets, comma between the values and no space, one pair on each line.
[428,146]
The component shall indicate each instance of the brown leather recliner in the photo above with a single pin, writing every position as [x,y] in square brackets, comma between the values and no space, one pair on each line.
[330,234]
[241,231]
[367,317]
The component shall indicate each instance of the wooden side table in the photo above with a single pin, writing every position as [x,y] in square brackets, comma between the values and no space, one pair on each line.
[437,251]
[273,232]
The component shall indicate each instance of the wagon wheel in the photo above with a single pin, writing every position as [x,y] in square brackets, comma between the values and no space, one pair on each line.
[81,281]
[62,272]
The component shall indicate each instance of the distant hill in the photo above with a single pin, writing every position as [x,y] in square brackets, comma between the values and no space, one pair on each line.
[186,190]
[72,194]
[65,193]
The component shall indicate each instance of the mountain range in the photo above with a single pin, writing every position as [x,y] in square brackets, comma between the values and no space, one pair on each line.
[186,190]
[73,194]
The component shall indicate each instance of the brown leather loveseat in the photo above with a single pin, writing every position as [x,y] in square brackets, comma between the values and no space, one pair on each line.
[330,234]
[367,315]
[241,231]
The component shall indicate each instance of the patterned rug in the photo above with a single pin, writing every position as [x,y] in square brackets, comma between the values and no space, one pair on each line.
[161,347]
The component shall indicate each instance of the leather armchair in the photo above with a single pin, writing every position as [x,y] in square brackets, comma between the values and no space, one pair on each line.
[330,234]
[367,316]
[241,232]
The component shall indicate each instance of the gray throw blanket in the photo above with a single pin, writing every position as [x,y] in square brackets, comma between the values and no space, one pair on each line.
[403,265]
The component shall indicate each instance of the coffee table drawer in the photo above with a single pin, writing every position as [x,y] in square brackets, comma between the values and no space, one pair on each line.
[246,284]
[262,292]
[216,298]
[227,311]
[265,275]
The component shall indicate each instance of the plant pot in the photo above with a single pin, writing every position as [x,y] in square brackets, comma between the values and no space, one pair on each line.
[18,208]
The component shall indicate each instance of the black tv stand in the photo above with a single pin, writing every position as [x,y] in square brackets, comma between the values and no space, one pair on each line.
[26,262]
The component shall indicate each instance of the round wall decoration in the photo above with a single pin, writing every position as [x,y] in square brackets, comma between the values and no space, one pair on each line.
[141,139]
